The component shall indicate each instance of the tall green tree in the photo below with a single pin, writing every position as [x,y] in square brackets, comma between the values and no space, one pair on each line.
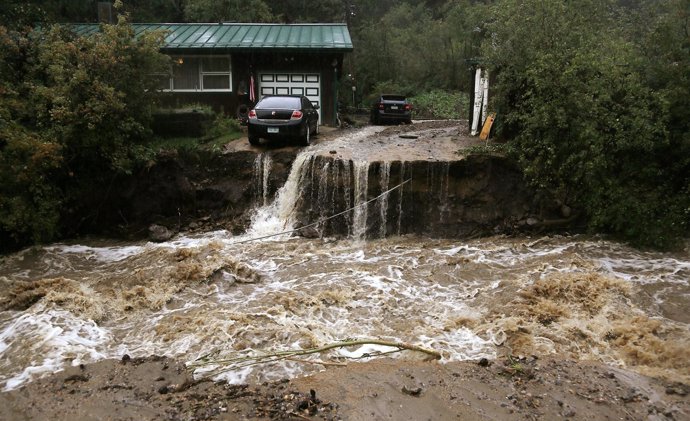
[305,11]
[227,11]
[583,120]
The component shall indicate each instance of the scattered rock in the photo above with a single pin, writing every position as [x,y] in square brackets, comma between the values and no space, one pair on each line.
[159,233]
[76,378]
[133,391]
[309,232]
[412,391]
[679,389]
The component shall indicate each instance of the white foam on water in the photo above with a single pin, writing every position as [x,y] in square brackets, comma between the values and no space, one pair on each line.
[100,254]
[647,270]
[44,341]
[312,293]
[365,352]
[459,345]
[278,217]
[187,240]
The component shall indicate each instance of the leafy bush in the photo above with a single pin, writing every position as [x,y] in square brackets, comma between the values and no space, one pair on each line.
[223,126]
[74,114]
[583,121]
[440,104]
[187,108]
[388,87]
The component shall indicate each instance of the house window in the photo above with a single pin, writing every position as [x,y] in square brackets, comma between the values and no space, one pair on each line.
[186,74]
[197,73]
[215,73]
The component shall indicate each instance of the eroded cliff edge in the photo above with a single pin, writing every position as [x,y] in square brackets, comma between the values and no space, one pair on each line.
[473,195]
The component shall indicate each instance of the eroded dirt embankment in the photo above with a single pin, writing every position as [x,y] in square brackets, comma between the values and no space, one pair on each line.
[450,193]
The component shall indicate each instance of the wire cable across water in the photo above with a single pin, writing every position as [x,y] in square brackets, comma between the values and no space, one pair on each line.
[324,219]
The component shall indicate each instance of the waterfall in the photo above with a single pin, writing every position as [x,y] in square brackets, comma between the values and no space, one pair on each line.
[262,170]
[359,216]
[279,216]
[317,189]
[347,189]
[384,181]
[400,196]
[443,192]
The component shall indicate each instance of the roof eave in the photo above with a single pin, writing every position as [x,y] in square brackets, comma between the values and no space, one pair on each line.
[179,50]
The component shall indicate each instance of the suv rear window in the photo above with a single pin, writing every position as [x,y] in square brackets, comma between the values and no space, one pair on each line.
[392,97]
[280,102]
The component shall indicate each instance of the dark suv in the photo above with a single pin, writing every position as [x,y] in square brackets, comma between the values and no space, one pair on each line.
[391,108]
[283,117]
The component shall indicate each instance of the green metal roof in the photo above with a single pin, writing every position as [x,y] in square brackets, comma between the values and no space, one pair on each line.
[244,36]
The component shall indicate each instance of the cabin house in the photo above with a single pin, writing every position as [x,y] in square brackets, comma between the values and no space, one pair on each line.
[220,64]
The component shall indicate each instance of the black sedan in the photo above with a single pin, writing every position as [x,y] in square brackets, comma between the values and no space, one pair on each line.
[283,117]
[391,108]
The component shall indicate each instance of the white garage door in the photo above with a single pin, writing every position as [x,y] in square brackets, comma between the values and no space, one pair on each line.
[307,84]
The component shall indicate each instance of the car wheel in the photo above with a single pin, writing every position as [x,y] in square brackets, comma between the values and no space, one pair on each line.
[316,132]
[253,140]
[306,141]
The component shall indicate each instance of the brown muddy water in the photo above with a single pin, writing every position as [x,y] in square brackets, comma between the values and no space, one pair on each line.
[213,293]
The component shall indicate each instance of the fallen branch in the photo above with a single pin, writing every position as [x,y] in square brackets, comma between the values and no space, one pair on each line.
[224,365]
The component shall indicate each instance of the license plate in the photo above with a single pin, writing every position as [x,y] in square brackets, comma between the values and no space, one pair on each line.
[394,107]
[272,130]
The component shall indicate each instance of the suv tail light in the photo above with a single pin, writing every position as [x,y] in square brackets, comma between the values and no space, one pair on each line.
[408,107]
[296,115]
[251,114]
[381,106]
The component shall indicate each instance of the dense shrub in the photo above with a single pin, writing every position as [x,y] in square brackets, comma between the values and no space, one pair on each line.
[585,122]
[74,113]
[440,104]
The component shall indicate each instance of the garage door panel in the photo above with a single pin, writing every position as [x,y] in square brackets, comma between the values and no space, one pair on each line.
[307,84]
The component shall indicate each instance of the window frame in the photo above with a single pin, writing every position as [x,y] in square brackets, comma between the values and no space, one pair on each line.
[200,73]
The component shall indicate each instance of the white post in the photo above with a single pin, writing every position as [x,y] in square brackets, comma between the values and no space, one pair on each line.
[477,101]
[485,96]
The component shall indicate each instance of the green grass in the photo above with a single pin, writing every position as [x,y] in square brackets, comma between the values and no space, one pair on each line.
[223,131]
[189,144]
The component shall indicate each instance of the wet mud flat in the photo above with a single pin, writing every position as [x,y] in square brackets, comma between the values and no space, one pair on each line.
[528,388]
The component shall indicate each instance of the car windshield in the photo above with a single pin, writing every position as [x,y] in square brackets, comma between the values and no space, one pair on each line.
[279,102]
[392,97]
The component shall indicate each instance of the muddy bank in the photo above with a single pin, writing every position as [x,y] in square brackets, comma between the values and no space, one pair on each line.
[448,192]
[191,191]
[521,389]
[476,195]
